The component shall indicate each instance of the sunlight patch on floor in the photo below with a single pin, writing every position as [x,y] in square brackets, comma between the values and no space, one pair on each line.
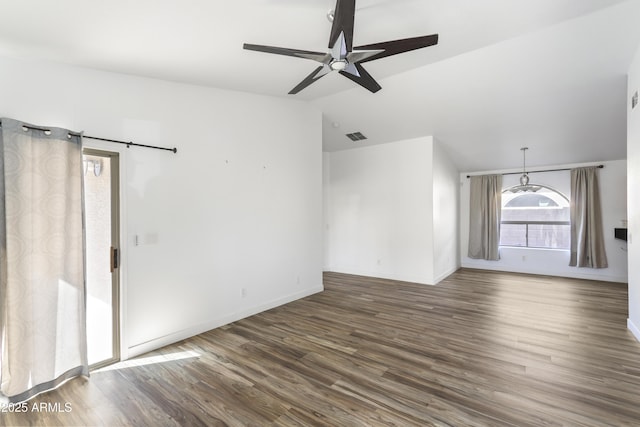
[151,360]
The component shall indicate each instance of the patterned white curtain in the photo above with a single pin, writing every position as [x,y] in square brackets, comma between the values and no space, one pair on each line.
[42,266]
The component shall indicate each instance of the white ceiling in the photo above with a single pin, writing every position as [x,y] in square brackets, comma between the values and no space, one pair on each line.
[548,74]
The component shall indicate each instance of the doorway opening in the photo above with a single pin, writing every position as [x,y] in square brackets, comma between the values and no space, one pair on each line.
[101,198]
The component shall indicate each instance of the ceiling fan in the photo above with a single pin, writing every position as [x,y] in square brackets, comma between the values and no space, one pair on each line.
[344,57]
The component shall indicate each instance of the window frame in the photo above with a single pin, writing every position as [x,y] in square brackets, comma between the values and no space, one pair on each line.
[527,223]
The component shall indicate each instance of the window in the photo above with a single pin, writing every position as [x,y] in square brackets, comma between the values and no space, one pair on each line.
[538,218]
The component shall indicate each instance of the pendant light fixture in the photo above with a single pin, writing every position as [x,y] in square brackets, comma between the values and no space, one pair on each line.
[524,179]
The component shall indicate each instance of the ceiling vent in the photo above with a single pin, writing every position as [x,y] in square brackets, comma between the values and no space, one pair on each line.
[356,136]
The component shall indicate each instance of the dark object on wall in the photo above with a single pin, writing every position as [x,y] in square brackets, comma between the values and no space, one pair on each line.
[356,136]
[620,233]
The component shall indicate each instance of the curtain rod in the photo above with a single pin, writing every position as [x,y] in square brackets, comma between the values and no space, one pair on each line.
[127,143]
[547,170]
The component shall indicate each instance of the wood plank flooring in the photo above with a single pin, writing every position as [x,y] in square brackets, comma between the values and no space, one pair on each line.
[480,349]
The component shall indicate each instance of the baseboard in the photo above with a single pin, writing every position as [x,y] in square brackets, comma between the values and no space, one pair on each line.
[634,329]
[165,340]
[543,272]
[382,275]
[446,274]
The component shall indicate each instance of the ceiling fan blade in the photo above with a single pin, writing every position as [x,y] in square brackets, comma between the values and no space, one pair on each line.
[343,23]
[361,55]
[323,58]
[358,74]
[311,78]
[398,46]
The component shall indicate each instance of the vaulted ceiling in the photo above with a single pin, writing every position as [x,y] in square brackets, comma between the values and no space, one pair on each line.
[547,74]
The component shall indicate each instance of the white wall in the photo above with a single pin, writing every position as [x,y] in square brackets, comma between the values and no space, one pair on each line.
[612,179]
[633,208]
[239,206]
[326,175]
[380,211]
[445,214]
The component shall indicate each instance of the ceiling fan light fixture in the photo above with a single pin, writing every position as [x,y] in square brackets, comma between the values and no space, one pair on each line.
[524,179]
[338,64]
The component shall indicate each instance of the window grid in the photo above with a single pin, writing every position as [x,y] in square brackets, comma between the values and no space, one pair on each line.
[535,219]
[527,224]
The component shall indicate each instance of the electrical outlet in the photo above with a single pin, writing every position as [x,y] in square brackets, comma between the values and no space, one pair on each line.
[243,292]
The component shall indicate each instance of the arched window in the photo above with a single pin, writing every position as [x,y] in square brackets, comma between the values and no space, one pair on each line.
[538,218]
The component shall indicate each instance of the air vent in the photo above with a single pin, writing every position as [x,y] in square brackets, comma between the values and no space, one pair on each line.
[356,136]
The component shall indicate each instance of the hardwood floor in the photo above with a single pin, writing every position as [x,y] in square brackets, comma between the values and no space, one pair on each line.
[480,349]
